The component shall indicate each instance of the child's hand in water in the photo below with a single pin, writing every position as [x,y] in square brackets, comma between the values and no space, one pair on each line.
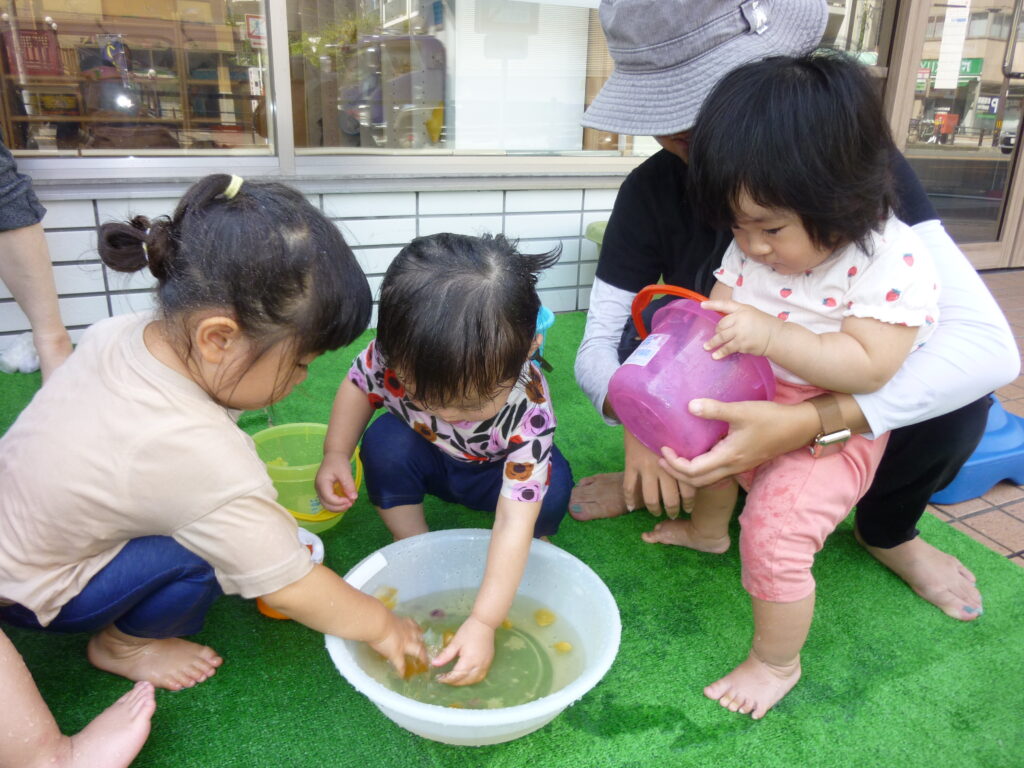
[334,483]
[474,645]
[403,639]
[743,329]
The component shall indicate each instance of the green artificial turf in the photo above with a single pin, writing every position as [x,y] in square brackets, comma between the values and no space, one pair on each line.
[888,679]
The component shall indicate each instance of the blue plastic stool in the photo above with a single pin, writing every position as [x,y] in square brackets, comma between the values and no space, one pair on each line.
[999,456]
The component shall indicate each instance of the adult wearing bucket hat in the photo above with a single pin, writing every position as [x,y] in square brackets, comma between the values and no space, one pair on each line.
[668,55]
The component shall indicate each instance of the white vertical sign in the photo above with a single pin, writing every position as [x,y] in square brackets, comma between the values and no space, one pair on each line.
[951,47]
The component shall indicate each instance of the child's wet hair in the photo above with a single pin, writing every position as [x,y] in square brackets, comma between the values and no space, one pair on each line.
[458,315]
[804,134]
[263,254]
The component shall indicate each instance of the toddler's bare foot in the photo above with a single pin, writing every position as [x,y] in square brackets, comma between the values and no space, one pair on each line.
[170,663]
[754,686]
[936,576]
[598,496]
[53,349]
[683,533]
[115,737]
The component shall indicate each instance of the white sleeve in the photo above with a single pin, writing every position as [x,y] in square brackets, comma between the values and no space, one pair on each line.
[971,353]
[598,356]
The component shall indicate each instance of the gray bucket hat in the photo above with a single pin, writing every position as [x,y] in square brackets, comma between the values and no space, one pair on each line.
[669,54]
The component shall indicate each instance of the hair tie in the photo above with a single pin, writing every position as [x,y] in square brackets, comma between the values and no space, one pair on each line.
[233,186]
[145,250]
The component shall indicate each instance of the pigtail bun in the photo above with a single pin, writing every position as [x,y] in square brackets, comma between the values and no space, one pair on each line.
[129,246]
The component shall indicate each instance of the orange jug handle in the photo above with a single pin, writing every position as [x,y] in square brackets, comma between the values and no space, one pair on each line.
[642,299]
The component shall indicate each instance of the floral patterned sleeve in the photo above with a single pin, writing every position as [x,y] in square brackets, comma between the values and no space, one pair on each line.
[368,375]
[527,462]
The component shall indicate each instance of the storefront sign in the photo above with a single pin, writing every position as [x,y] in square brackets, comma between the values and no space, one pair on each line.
[256,29]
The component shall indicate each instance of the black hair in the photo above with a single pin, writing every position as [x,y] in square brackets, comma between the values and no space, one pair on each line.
[804,134]
[265,255]
[458,315]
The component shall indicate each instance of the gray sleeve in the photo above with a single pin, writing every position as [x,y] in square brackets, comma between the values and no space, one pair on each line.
[19,206]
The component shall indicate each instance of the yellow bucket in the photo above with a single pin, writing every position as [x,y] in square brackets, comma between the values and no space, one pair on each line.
[292,454]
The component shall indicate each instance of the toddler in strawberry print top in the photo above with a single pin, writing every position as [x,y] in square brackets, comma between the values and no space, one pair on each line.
[823,279]
[468,416]
[893,281]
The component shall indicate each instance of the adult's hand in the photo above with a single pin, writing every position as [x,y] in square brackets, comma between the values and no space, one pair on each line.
[646,483]
[758,432]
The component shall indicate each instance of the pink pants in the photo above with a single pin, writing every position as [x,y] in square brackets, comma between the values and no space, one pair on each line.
[793,503]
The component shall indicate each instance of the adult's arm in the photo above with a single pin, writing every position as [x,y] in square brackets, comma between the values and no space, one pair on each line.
[598,356]
[971,352]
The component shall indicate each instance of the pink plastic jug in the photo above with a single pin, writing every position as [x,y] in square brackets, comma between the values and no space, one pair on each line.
[651,389]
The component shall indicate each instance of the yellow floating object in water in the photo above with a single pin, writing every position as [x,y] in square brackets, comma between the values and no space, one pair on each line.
[544,617]
[562,647]
[388,596]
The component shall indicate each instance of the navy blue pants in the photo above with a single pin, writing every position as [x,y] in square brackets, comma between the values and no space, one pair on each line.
[401,467]
[153,588]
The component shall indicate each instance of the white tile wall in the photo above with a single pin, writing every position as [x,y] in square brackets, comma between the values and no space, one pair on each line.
[432,203]
[72,245]
[373,204]
[64,214]
[376,225]
[463,225]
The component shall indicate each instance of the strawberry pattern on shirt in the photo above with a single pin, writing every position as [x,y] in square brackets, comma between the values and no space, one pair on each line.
[521,434]
[895,282]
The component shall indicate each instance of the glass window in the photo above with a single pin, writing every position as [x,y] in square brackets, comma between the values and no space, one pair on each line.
[862,28]
[432,75]
[134,76]
[965,120]
[979,25]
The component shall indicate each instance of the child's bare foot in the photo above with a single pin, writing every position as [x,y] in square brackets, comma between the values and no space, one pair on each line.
[683,533]
[170,663]
[936,576]
[117,734]
[754,686]
[598,496]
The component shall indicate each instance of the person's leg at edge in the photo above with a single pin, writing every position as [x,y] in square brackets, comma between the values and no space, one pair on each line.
[919,461]
[26,270]
[707,529]
[144,600]
[111,740]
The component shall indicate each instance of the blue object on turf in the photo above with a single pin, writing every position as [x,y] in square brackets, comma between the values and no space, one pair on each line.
[999,456]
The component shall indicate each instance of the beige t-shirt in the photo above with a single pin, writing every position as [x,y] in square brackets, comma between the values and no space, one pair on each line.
[117,446]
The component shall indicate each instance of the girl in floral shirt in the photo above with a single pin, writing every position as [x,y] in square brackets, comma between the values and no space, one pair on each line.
[468,415]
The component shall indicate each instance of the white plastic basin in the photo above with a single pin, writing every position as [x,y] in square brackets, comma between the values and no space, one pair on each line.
[444,560]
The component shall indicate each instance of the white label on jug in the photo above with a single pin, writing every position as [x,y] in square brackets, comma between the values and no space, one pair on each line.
[648,348]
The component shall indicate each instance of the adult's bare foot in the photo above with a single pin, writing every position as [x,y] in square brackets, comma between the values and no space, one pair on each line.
[936,576]
[683,533]
[115,736]
[170,663]
[754,686]
[597,497]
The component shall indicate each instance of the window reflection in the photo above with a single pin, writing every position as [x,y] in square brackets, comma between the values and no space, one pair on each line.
[158,77]
[430,75]
[964,123]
